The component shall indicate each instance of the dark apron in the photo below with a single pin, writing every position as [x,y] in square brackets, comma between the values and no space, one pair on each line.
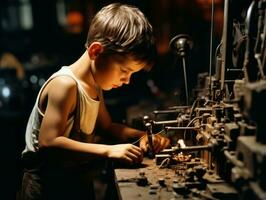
[91,180]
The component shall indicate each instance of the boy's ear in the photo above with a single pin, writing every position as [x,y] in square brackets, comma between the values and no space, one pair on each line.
[94,50]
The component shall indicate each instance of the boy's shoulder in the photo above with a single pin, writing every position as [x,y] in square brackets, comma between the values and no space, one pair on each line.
[64,80]
[64,85]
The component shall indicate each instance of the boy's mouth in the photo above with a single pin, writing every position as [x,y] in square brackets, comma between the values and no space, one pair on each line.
[115,86]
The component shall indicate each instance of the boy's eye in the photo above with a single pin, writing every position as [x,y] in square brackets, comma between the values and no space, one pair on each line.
[123,70]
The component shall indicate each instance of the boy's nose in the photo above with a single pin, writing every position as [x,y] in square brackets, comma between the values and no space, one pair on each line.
[126,80]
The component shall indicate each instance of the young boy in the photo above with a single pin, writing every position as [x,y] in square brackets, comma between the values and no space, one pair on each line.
[70,105]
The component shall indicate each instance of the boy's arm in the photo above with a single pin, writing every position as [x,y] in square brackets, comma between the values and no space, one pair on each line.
[125,133]
[61,100]
[119,131]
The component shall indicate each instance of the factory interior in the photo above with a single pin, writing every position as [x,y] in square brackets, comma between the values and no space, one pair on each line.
[205,93]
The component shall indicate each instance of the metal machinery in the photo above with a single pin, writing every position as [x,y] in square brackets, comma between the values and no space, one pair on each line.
[218,144]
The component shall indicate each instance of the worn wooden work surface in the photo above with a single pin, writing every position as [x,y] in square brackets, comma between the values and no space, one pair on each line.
[174,180]
[127,182]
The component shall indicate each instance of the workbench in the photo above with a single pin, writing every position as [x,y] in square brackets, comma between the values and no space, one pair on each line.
[128,178]
[150,181]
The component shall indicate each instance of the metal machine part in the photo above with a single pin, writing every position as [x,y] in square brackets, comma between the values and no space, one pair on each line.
[150,138]
[223,153]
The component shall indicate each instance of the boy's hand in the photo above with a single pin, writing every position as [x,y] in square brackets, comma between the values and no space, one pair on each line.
[128,153]
[159,143]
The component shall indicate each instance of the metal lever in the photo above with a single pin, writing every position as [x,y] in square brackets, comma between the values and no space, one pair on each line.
[150,136]
[146,119]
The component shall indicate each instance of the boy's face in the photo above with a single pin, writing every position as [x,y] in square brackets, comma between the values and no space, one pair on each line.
[113,71]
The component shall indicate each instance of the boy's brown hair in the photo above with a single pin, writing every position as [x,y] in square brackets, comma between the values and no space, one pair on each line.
[123,30]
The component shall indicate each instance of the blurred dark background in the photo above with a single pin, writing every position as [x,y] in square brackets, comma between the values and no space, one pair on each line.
[38,37]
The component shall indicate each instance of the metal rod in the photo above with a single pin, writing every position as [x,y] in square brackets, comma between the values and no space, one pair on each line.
[187,148]
[165,111]
[165,122]
[211,41]
[225,42]
[180,128]
[233,159]
[234,70]
[185,79]
[179,107]
[150,142]
[193,148]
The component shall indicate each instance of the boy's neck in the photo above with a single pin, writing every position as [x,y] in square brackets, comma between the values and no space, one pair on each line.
[82,69]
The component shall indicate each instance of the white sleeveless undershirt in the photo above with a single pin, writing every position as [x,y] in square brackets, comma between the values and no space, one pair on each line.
[88,113]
